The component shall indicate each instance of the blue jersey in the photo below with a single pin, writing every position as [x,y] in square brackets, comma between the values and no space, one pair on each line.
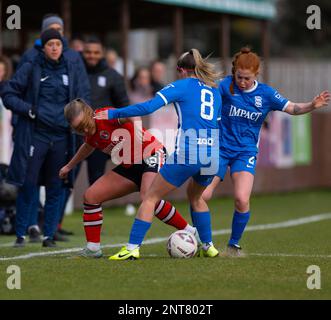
[243,113]
[198,107]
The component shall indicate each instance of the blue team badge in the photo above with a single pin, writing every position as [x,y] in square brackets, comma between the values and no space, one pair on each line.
[104,135]
[258,101]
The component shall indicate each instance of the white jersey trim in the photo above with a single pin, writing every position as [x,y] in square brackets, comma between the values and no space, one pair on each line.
[253,88]
[179,113]
[286,105]
[163,97]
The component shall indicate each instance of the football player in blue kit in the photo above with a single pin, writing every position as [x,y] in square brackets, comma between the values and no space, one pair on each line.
[197,102]
[245,104]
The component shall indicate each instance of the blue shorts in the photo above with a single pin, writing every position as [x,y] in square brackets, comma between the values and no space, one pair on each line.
[178,173]
[237,161]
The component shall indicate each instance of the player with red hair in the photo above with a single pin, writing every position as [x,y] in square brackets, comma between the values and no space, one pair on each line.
[246,103]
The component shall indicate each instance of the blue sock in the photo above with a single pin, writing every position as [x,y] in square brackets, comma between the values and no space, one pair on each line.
[138,231]
[202,221]
[239,223]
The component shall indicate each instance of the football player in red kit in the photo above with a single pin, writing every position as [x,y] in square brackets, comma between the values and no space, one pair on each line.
[138,155]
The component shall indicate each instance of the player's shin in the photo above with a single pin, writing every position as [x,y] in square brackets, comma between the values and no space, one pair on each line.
[138,232]
[93,219]
[202,221]
[239,223]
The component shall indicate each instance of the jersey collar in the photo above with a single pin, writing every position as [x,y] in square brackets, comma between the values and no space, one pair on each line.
[253,88]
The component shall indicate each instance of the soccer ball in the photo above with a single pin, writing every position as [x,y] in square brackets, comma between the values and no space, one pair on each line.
[182,244]
[130,210]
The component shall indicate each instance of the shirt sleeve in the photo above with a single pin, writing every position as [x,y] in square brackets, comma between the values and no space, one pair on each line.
[170,93]
[276,100]
[139,109]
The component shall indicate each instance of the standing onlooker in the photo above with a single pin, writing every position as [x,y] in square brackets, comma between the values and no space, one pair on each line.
[37,94]
[112,58]
[77,44]
[107,89]
[141,86]
[53,21]
[158,71]
[116,62]
[5,68]
[5,115]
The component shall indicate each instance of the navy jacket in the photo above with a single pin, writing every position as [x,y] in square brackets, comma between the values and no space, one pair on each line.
[21,94]
[107,86]
[70,55]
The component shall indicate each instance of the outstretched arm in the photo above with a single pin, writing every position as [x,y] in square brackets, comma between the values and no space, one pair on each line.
[319,101]
[139,109]
[83,152]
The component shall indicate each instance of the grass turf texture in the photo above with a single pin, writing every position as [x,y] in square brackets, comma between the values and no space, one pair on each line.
[157,276]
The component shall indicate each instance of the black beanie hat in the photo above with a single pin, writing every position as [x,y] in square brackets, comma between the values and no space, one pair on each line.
[50,34]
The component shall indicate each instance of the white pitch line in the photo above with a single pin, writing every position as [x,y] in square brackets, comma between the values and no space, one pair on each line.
[269,226]
[8,244]
[290,255]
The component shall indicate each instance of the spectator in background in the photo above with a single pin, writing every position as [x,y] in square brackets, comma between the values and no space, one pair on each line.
[112,58]
[5,68]
[43,141]
[141,87]
[77,44]
[116,62]
[53,21]
[5,115]
[158,72]
[107,89]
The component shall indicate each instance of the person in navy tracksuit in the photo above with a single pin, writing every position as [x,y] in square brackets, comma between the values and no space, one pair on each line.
[52,21]
[38,93]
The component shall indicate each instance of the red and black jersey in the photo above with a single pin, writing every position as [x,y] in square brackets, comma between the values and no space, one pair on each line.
[121,142]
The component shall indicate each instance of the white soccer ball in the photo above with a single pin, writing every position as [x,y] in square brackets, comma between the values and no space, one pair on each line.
[182,244]
[130,210]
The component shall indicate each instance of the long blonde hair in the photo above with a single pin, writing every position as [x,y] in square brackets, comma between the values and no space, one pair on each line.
[193,62]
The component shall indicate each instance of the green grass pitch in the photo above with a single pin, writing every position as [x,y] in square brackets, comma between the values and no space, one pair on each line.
[275,266]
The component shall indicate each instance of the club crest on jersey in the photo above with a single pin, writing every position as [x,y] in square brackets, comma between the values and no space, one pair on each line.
[258,101]
[104,135]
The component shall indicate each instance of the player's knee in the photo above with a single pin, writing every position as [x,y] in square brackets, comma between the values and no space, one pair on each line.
[90,196]
[242,203]
[197,202]
[207,194]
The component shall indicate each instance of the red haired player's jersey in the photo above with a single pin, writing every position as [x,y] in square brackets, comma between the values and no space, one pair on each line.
[121,142]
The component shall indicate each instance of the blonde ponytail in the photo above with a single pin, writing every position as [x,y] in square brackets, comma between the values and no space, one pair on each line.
[193,62]
[205,71]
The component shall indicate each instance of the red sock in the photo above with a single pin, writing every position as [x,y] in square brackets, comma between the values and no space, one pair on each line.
[92,222]
[168,214]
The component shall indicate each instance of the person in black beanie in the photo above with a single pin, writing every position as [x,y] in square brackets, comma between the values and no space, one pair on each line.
[43,141]
[54,21]
[50,34]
